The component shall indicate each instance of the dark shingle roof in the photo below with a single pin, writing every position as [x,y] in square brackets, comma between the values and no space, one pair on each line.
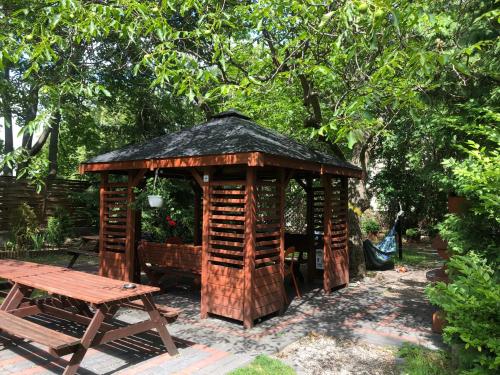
[226,133]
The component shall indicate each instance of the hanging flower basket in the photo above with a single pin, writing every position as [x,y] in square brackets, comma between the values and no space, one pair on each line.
[155,200]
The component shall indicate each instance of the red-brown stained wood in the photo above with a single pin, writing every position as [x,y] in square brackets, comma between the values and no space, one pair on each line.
[328,264]
[249,263]
[227,312]
[207,190]
[183,257]
[339,239]
[102,193]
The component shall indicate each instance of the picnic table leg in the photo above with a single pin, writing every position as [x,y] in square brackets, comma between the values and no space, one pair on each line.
[88,337]
[15,297]
[161,324]
[73,260]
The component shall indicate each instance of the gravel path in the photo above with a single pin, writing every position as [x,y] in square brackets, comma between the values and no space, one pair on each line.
[322,355]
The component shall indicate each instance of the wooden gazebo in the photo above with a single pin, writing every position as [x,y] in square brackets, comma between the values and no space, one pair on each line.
[241,171]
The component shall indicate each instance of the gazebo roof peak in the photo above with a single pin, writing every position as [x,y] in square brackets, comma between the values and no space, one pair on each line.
[231,112]
[226,134]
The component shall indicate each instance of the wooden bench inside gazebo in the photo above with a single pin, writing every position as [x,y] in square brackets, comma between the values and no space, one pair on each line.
[240,172]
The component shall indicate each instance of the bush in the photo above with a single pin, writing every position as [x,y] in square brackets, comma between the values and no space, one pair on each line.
[370,226]
[413,234]
[58,228]
[471,303]
[24,224]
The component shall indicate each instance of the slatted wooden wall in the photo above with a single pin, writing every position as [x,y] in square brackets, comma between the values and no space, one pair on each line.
[339,232]
[114,199]
[267,284]
[329,217]
[226,233]
[56,193]
[244,246]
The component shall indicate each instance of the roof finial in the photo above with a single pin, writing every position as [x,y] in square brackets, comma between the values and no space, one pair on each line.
[231,112]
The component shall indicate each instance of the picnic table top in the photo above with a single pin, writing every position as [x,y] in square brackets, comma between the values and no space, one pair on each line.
[66,282]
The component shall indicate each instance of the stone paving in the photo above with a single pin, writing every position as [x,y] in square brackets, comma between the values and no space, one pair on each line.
[388,309]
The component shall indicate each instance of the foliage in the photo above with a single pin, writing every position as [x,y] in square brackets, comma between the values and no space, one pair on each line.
[264,365]
[422,361]
[471,303]
[470,232]
[88,203]
[37,240]
[177,208]
[370,226]
[413,233]
[59,227]
[24,225]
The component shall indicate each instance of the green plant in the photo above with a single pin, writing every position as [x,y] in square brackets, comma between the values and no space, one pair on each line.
[413,233]
[264,365]
[24,224]
[471,303]
[422,361]
[370,226]
[58,228]
[37,240]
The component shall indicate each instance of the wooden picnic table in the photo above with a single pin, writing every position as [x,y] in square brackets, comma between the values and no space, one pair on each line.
[84,298]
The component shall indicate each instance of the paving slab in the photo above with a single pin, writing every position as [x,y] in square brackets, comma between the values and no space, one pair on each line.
[388,309]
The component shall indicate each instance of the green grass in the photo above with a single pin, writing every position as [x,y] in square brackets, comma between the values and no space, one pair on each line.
[418,255]
[264,365]
[422,361]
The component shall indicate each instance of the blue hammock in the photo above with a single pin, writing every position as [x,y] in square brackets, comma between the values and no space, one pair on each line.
[379,256]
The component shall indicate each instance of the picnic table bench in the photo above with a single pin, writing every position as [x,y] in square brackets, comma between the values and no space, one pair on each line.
[83,298]
[89,245]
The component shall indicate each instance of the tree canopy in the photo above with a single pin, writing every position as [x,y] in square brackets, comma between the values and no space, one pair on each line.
[408,90]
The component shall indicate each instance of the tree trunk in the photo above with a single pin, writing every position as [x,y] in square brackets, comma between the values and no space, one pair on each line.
[359,193]
[357,266]
[54,144]
[7,122]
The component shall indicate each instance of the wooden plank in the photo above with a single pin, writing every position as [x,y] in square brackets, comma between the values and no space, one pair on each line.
[34,332]
[205,246]
[228,217]
[227,312]
[327,243]
[249,259]
[102,190]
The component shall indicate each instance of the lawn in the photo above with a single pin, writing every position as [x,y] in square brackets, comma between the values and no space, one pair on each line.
[264,365]
[418,255]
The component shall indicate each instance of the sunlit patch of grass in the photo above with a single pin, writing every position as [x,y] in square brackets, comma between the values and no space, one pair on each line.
[419,256]
[264,365]
[422,361]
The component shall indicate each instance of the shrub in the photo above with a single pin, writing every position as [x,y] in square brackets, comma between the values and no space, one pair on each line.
[24,224]
[370,226]
[58,228]
[413,234]
[471,303]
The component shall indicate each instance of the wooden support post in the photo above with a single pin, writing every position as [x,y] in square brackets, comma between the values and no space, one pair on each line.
[282,194]
[102,211]
[327,233]
[311,253]
[205,244]
[197,215]
[130,258]
[249,248]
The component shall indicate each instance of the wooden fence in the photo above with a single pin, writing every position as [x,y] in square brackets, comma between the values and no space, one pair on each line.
[57,193]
